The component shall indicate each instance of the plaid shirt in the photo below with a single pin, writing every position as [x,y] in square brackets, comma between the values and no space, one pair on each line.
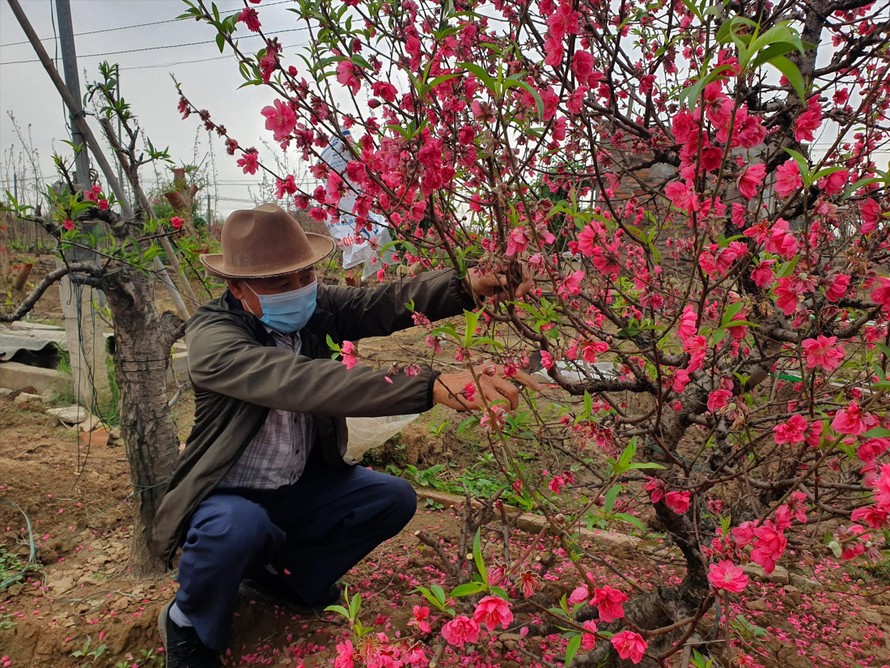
[277,454]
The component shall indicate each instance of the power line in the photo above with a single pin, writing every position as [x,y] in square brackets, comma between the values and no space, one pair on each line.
[188,62]
[127,27]
[178,62]
[154,48]
[94,32]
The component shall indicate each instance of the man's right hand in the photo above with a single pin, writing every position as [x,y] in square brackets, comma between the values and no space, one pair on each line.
[451,389]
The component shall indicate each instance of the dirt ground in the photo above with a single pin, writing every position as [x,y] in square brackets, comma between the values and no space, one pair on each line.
[79,603]
[81,596]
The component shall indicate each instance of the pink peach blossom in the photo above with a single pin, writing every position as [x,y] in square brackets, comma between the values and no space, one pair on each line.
[588,640]
[787,178]
[822,353]
[850,420]
[834,183]
[678,502]
[629,645]
[769,546]
[718,399]
[579,595]
[870,211]
[881,294]
[420,617]
[726,575]
[792,431]
[609,602]
[346,75]
[347,352]
[840,283]
[809,121]
[250,18]
[516,242]
[763,275]
[491,611]
[750,180]
[460,631]
[882,489]
[249,162]
[280,119]
[345,655]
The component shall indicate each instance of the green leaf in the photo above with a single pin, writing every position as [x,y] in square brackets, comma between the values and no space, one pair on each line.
[339,609]
[361,62]
[611,496]
[468,589]
[628,454]
[572,648]
[861,183]
[771,52]
[825,172]
[781,33]
[539,103]
[792,73]
[692,7]
[835,548]
[730,312]
[442,79]
[477,556]
[631,519]
[472,322]
[355,604]
[500,593]
[221,42]
[482,74]
[438,592]
[727,32]
[877,432]
[485,341]
[787,267]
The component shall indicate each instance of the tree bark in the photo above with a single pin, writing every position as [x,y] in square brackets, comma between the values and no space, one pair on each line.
[143,339]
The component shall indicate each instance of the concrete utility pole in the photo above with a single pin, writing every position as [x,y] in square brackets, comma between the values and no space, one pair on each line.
[72,81]
[115,185]
[86,339]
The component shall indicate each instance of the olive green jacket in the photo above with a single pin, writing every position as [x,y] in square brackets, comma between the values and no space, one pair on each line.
[239,374]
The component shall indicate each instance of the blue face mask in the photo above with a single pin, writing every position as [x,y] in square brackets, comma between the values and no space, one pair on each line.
[288,312]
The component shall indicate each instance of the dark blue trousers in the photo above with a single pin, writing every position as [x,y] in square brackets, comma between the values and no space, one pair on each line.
[316,530]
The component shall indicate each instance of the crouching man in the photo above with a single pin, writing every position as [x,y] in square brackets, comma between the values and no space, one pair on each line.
[262,500]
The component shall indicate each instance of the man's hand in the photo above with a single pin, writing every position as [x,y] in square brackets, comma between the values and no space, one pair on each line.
[497,282]
[461,391]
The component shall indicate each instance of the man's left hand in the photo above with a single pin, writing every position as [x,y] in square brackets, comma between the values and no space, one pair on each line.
[497,282]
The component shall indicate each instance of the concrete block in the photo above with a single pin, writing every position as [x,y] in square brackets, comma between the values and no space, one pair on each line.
[17,376]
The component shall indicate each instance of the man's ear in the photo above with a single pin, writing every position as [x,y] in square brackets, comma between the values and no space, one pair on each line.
[236,287]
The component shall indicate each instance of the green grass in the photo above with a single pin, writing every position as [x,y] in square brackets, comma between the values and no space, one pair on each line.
[13,568]
[108,409]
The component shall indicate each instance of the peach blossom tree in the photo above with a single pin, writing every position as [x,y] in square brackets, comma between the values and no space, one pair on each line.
[696,189]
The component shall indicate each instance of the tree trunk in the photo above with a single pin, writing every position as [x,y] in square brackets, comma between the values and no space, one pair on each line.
[143,339]
[662,606]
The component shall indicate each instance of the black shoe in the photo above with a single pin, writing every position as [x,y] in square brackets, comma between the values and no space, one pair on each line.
[183,647]
[287,598]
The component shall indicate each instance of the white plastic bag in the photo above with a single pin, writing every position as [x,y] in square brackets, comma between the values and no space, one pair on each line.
[368,433]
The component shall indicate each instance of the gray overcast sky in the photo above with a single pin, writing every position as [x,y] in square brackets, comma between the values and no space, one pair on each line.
[147,55]
[144,38]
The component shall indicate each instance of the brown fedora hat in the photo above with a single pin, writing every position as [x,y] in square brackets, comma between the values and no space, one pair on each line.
[264,242]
